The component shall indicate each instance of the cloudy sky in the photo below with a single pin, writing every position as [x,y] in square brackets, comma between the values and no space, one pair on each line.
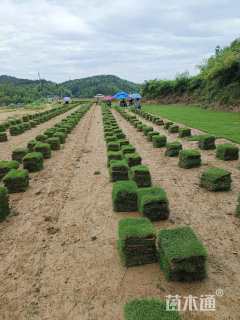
[134,39]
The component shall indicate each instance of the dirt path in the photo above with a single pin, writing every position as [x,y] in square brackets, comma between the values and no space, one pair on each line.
[58,251]
[210,214]
[21,140]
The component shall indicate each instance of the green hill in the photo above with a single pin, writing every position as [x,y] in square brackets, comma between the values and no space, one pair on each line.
[14,90]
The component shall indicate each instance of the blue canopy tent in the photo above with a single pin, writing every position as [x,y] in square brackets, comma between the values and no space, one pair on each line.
[121,95]
[135,96]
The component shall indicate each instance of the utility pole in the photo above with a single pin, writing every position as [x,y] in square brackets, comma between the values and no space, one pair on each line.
[41,85]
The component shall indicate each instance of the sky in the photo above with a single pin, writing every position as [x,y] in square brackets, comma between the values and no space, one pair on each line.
[135,39]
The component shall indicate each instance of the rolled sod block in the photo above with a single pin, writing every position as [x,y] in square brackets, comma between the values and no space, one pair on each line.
[41,137]
[159,141]
[216,179]
[152,134]
[173,128]
[141,175]
[133,159]
[62,136]
[128,149]
[44,149]
[113,146]
[173,149]
[19,153]
[123,142]
[120,135]
[4,203]
[15,130]
[153,203]
[33,161]
[109,139]
[114,155]
[124,196]
[31,144]
[2,127]
[227,152]
[17,180]
[3,137]
[182,255]
[159,122]
[136,241]
[184,132]
[207,142]
[149,309]
[118,170]
[147,129]
[6,166]
[189,158]
[167,124]
[238,206]
[54,143]
[140,127]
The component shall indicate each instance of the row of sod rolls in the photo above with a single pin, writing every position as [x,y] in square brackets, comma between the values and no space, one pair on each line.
[212,179]
[226,151]
[14,174]
[18,126]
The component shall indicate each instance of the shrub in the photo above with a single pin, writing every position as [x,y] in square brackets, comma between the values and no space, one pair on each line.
[147,129]
[16,180]
[216,179]
[118,170]
[54,142]
[128,149]
[189,158]
[18,154]
[153,203]
[141,175]
[133,159]
[41,137]
[184,132]
[227,152]
[3,137]
[114,155]
[124,196]
[33,161]
[136,241]
[182,255]
[4,203]
[206,142]
[149,309]
[173,149]
[31,144]
[6,166]
[113,146]
[152,134]
[167,124]
[173,128]
[159,141]
[44,149]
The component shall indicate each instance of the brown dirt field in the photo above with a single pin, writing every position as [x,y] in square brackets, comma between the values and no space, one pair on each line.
[21,140]
[58,248]
[6,113]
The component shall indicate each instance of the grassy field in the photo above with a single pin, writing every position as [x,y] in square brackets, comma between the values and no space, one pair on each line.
[221,124]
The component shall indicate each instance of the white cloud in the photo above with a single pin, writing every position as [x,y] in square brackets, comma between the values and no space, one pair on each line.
[136,40]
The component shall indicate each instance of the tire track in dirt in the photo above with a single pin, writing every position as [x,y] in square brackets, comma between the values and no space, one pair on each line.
[210,214]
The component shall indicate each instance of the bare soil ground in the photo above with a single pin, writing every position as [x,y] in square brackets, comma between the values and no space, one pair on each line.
[6,113]
[58,256]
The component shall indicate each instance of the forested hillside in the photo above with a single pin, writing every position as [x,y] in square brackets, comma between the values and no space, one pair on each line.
[218,81]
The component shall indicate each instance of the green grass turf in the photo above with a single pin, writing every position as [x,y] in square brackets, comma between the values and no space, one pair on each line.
[218,123]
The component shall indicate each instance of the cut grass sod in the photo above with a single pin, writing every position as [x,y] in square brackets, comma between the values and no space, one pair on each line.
[133,159]
[216,179]
[184,132]
[141,175]
[151,134]
[189,158]
[3,137]
[19,153]
[128,149]
[206,142]
[153,203]
[149,309]
[33,161]
[227,152]
[124,196]
[4,203]
[6,166]
[113,146]
[118,170]
[182,255]
[114,155]
[136,241]
[173,149]
[44,148]
[159,141]
[54,143]
[238,206]
[217,123]
[173,128]
[17,180]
